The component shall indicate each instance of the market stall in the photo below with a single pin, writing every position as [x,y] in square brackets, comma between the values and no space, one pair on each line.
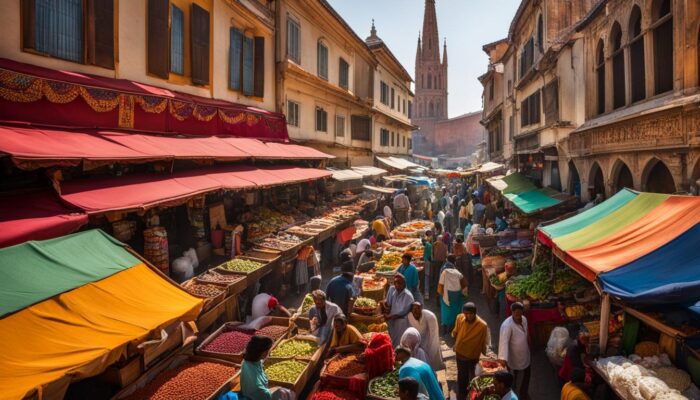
[526,197]
[75,305]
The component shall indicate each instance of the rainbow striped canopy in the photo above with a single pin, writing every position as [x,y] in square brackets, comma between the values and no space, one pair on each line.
[641,247]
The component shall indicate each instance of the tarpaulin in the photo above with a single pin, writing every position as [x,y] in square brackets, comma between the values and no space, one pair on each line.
[524,194]
[345,175]
[34,271]
[36,216]
[177,147]
[368,171]
[147,190]
[79,333]
[297,151]
[399,163]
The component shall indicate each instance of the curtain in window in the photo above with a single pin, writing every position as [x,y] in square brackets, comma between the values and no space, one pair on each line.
[235,54]
[177,42]
[293,40]
[322,61]
[248,66]
[59,28]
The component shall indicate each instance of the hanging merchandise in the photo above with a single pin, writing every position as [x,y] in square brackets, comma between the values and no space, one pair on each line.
[155,248]
[123,230]
[195,213]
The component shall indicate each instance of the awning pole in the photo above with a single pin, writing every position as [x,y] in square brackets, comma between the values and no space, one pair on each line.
[534,254]
[604,320]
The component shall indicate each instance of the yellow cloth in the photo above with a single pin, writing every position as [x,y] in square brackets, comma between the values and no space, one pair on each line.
[470,338]
[463,212]
[572,392]
[380,228]
[82,331]
[350,336]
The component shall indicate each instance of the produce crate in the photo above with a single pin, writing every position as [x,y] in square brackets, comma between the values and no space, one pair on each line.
[123,373]
[153,351]
[375,397]
[364,319]
[208,318]
[232,288]
[254,275]
[209,302]
[290,248]
[366,312]
[299,384]
[171,363]
[315,356]
[237,357]
[340,381]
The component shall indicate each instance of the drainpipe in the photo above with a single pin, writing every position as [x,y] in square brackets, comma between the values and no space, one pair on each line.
[279,86]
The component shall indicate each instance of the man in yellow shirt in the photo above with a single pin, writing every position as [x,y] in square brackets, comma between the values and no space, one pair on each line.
[472,338]
[573,390]
[346,338]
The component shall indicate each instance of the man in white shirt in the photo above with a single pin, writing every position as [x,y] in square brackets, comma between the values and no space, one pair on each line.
[264,304]
[514,348]
[402,207]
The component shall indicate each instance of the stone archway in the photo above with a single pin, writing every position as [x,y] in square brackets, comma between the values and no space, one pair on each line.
[574,186]
[596,181]
[657,178]
[621,176]
[695,177]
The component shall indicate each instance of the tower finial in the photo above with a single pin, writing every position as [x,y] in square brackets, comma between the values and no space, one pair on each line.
[373,31]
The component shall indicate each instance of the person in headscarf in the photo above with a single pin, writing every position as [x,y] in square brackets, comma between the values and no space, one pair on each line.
[321,316]
[379,355]
[411,339]
[396,308]
[447,239]
[421,372]
[427,325]
[254,382]
[379,227]
[452,287]
[410,272]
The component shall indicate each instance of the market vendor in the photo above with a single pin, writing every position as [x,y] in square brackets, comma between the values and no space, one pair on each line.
[409,389]
[321,316]
[346,338]
[402,207]
[575,389]
[410,272]
[254,382]
[427,325]
[367,260]
[452,288]
[411,340]
[379,228]
[388,217]
[472,338]
[396,308]
[576,356]
[340,289]
[265,304]
[421,372]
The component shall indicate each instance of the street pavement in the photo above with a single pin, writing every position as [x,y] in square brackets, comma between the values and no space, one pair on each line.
[543,381]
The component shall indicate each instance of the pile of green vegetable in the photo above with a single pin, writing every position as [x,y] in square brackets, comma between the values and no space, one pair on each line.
[536,286]
[307,304]
[481,383]
[365,302]
[386,386]
[493,278]
[240,265]
[293,347]
[362,327]
[567,281]
[285,371]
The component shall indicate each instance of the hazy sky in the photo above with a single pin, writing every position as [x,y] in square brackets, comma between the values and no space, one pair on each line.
[467,24]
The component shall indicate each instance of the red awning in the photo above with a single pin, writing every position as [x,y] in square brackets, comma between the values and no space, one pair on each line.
[256,148]
[143,191]
[63,147]
[36,216]
[297,151]
[177,147]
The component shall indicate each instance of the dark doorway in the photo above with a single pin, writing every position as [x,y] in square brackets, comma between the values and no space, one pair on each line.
[596,183]
[574,181]
[624,178]
[659,179]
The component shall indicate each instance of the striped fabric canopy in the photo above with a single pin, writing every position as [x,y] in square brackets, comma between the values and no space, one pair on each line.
[641,247]
[523,193]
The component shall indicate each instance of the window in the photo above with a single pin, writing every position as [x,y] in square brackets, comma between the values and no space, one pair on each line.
[491,90]
[67,30]
[384,93]
[551,102]
[292,113]
[637,82]
[383,137]
[527,57]
[618,57]
[343,75]
[393,96]
[430,81]
[410,144]
[322,60]
[293,45]
[410,109]
[404,141]
[530,110]
[340,125]
[600,76]
[246,63]
[511,127]
[360,127]
[405,111]
[392,139]
[663,46]
[321,120]
[168,38]
[431,110]
[540,33]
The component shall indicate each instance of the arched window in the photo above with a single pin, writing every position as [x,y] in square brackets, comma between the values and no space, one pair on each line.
[322,59]
[422,81]
[435,82]
[636,45]
[540,33]
[430,81]
[663,46]
[600,76]
[618,56]
[431,109]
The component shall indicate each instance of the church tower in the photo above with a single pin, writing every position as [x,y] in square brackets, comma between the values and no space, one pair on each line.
[430,83]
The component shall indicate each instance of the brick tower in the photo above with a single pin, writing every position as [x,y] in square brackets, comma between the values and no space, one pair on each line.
[431,83]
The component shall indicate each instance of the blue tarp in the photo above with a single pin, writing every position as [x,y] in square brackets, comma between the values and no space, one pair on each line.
[670,274]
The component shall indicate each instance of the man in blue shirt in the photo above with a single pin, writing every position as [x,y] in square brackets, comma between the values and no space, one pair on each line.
[421,372]
[409,271]
[339,289]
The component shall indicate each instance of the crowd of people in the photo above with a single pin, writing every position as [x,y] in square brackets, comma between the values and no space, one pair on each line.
[415,332]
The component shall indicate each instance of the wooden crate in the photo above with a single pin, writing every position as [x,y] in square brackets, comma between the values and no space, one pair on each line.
[209,302]
[233,288]
[342,382]
[255,275]
[298,386]
[171,363]
[238,357]
[153,351]
[316,354]
[123,373]
[208,318]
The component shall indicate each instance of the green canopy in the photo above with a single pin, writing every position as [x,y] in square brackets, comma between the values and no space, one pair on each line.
[37,270]
[523,193]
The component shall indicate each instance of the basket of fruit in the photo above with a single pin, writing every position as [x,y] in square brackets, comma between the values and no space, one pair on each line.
[344,371]
[374,287]
[366,306]
[385,387]
[253,268]
[298,347]
[211,293]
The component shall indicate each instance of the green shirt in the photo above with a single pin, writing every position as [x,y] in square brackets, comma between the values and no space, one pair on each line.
[427,251]
[254,384]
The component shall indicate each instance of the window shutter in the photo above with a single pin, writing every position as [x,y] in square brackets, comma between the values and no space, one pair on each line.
[235,54]
[551,102]
[28,24]
[199,42]
[158,38]
[101,33]
[248,66]
[259,84]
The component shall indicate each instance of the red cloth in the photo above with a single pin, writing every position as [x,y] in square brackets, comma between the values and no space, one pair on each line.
[36,216]
[272,303]
[346,234]
[379,355]
[537,315]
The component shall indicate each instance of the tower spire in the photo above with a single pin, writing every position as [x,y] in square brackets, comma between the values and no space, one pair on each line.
[431,40]
[418,51]
[444,52]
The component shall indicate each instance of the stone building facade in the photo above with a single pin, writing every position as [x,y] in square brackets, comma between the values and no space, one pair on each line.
[642,126]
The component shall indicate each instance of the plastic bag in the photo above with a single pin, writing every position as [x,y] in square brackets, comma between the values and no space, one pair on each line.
[192,255]
[558,341]
[650,387]
[182,269]
[257,323]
